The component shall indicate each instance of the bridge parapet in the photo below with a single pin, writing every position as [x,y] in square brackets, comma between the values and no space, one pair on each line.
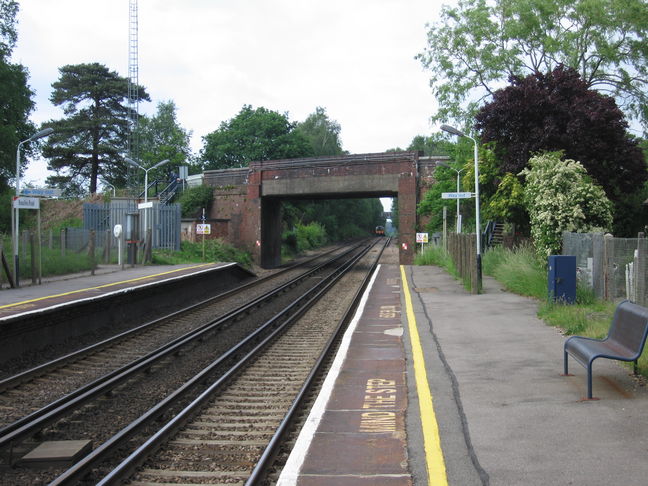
[254,212]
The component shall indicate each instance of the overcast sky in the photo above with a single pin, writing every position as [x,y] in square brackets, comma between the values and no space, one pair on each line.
[353,57]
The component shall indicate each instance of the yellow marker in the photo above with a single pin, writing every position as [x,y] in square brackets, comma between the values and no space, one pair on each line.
[100,286]
[431,439]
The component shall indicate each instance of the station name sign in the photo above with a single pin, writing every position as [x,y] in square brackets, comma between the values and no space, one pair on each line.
[456,195]
[26,202]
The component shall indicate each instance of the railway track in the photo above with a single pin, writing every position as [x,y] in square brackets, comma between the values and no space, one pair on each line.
[37,389]
[154,387]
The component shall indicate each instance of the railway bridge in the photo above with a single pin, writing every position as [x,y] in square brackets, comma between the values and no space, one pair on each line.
[247,202]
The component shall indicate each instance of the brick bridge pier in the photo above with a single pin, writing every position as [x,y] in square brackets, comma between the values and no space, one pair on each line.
[247,202]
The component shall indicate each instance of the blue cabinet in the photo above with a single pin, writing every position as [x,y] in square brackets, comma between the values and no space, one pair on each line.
[562,278]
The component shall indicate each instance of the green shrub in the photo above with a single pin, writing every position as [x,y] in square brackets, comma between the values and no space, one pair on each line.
[302,238]
[520,270]
[67,223]
[194,199]
[215,250]
[310,236]
[437,255]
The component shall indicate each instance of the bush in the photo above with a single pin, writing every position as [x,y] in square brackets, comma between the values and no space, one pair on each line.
[194,199]
[560,196]
[215,251]
[521,270]
[437,255]
[303,238]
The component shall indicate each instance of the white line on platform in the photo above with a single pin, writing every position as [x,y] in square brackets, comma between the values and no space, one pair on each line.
[290,472]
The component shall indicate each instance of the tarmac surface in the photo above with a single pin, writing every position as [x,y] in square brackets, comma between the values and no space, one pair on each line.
[505,414]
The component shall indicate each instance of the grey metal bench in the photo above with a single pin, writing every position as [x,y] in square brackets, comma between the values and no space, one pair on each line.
[624,342]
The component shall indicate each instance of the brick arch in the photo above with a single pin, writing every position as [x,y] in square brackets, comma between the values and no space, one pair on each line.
[251,201]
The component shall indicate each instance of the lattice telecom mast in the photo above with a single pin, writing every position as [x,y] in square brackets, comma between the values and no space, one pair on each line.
[133,81]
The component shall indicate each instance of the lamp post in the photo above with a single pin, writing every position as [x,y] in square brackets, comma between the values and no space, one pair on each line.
[146,171]
[15,212]
[109,185]
[459,171]
[454,131]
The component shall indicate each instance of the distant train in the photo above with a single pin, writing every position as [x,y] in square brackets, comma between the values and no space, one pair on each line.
[380,231]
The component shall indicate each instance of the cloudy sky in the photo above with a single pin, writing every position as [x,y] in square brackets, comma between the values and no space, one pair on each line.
[353,57]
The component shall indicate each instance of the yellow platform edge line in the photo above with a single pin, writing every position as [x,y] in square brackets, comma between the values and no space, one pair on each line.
[431,438]
[6,306]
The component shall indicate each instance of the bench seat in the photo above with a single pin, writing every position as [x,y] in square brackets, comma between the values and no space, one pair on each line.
[625,341]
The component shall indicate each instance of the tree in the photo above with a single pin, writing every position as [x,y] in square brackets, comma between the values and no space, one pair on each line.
[429,146]
[478,44]
[558,111]
[161,137]
[8,34]
[16,102]
[560,196]
[341,218]
[253,135]
[85,144]
[322,133]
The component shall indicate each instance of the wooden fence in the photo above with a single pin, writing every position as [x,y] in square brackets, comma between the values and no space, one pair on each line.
[462,250]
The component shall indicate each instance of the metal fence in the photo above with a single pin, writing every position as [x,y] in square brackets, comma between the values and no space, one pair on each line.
[615,268]
[164,221]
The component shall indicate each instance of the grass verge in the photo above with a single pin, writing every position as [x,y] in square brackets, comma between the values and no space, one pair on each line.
[436,255]
[521,271]
[214,250]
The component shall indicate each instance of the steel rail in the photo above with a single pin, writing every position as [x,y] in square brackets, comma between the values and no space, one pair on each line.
[271,450]
[39,370]
[29,424]
[293,311]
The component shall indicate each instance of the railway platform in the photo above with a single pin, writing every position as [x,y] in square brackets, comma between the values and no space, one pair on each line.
[436,386]
[433,385]
[107,278]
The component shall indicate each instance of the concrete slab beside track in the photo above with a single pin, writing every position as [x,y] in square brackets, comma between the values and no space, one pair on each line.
[505,415]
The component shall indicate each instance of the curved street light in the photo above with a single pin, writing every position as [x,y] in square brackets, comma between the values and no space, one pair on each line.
[146,171]
[459,133]
[15,212]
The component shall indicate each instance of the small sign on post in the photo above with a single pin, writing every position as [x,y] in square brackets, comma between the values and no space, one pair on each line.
[203,229]
[421,238]
[26,202]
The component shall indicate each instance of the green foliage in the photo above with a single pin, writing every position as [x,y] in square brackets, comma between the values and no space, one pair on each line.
[432,204]
[253,135]
[435,144]
[15,99]
[215,251]
[304,237]
[507,204]
[560,196]
[436,255]
[342,219]
[162,138]
[193,199]
[521,271]
[322,133]
[83,147]
[66,223]
[590,319]
[8,34]
[462,156]
[475,45]
[558,111]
